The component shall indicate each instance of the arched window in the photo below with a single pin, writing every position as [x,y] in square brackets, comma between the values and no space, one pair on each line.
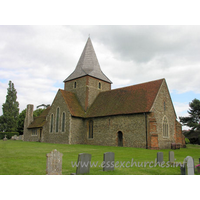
[99,85]
[165,127]
[91,129]
[57,119]
[63,122]
[51,128]
[75,84]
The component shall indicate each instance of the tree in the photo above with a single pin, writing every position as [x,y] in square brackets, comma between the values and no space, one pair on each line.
[2,121]
[37,112]
[20,127]
[10,110]
[193,121]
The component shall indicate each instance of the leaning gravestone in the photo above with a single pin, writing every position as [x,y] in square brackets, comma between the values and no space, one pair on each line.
[159,157]
[54,163]
[84,160]
[189,163]
[171,156]
[109,159]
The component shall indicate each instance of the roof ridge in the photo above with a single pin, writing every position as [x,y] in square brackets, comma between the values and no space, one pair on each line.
[135,85]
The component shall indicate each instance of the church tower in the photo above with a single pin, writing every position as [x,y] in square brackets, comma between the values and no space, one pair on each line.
[87,80]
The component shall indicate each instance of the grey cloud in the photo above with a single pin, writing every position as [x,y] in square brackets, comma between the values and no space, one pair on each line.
[143,43]
[127,55]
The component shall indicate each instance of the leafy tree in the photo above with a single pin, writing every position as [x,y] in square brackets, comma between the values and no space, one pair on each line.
[21,119]
[193,121]
[37,112]
[10,109]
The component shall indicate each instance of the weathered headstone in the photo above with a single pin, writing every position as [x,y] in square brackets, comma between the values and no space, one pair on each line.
[84,160]
[171,156]
[189,165]
[14,137]
[108,159]
[159,157]
[54,163]
[5,139]
[20,137]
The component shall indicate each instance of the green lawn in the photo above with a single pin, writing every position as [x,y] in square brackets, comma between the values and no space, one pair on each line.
[29,158]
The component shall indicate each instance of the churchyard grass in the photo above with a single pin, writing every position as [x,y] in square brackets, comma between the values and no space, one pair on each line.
[29,158]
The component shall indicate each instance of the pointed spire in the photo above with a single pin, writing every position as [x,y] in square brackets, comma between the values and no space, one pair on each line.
[88,65]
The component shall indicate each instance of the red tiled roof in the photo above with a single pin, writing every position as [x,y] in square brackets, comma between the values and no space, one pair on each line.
[73,103]
[129,100]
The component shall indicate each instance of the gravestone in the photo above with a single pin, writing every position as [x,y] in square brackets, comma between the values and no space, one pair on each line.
[84,160]
[189,165]
[109,159]
[199,160]
[159,157]
[20,137]
[14,137]
[171,156]
[54,163]
[5,139]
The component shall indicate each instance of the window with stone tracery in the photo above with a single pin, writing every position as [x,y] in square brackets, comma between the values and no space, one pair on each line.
[165,127]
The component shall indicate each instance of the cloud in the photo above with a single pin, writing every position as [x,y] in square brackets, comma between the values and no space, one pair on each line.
[38,58]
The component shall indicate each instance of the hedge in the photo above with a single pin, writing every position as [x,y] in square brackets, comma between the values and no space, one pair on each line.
[8,134]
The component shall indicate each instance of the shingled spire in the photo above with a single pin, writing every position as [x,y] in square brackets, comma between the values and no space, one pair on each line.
[88,65]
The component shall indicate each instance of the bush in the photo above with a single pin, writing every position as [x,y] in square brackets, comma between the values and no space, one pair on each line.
[187,141]
[8,134]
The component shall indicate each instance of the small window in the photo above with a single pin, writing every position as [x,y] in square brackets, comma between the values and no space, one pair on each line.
[165,127]
[34,132]
[75,84]
[91,129]
[57,119]
[51,128]
[63,122]
[99,85]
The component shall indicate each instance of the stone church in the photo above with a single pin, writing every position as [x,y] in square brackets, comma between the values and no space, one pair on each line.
[89,112]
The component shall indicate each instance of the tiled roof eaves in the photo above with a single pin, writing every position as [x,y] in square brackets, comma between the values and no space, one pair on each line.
[120,114]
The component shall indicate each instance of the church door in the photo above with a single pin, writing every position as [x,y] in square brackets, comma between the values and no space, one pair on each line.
[120,139]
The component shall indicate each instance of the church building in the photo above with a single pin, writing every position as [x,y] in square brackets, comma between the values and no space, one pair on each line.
[88,111]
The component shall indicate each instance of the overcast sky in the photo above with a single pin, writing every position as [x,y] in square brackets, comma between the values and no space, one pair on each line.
[37,59]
